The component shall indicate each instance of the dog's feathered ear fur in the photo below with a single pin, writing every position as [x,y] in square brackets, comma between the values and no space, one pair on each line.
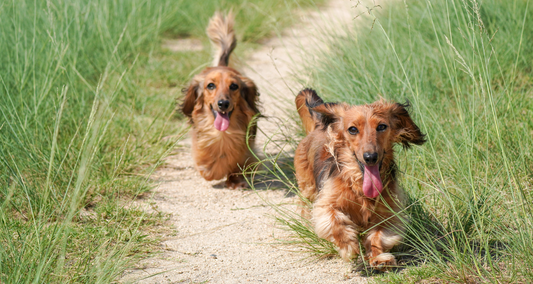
[328,113]
[192,95]
[249,93]
[407,132]
[251,96]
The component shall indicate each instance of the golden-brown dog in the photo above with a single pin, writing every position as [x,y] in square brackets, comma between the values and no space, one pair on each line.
[220,103]
[345,166]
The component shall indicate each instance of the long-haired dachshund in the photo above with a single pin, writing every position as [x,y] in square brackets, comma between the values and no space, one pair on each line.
[220,104]
[345,166]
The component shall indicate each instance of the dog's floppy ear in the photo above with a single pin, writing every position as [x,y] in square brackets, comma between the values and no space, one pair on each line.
[328,113]
[249,93]
[407,132]
[191,96]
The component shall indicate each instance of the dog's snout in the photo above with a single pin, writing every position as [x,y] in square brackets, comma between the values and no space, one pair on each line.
[223,105]
[370,158]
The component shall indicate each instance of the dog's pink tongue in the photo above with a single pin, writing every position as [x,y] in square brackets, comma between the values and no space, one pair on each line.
[222,121]
[372,185]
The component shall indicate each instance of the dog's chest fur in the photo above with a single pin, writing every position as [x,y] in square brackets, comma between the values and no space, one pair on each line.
[339,183]
[217,151]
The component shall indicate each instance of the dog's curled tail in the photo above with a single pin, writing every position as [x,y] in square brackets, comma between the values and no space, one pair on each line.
[305,101]
[220,32]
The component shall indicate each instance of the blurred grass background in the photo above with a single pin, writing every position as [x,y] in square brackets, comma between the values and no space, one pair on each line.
[466,68]
[87,100]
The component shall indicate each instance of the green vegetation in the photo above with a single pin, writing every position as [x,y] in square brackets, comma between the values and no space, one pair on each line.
[87,111]
[465,66]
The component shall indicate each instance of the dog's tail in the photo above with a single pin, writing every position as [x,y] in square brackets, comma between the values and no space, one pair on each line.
[220,32]
[305,101]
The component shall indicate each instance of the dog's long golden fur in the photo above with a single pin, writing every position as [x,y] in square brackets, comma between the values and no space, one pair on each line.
[345,166]
[220,103]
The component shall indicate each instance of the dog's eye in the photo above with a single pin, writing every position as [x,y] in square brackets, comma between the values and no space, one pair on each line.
[353,130]
[211,86]
[233,86]
[381,127]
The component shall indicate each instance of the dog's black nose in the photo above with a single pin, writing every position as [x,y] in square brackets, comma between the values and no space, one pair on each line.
[223,105]
[370,158]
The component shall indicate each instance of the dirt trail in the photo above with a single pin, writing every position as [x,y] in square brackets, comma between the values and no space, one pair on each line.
[227,236]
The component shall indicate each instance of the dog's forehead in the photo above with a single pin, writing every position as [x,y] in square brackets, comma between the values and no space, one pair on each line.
[220,74]
[362,114]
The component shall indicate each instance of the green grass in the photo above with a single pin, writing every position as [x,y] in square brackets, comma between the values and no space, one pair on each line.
[87,111]
[466,68]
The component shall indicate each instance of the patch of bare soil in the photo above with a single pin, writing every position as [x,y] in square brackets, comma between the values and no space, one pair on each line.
[228,236]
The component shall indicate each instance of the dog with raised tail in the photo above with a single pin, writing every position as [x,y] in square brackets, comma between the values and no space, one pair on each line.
[220,104]
[345,167]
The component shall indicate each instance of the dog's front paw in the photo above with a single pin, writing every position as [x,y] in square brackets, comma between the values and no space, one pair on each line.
[383,262]
[236,183]
[348,250]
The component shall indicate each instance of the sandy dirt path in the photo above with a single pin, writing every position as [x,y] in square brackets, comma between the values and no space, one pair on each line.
[228,236]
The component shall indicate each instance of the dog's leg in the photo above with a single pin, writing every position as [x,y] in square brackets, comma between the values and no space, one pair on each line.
[335,226]
[306,182]
[236,181]
[235,178]
[308,195]
[377,243]
[305,211]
